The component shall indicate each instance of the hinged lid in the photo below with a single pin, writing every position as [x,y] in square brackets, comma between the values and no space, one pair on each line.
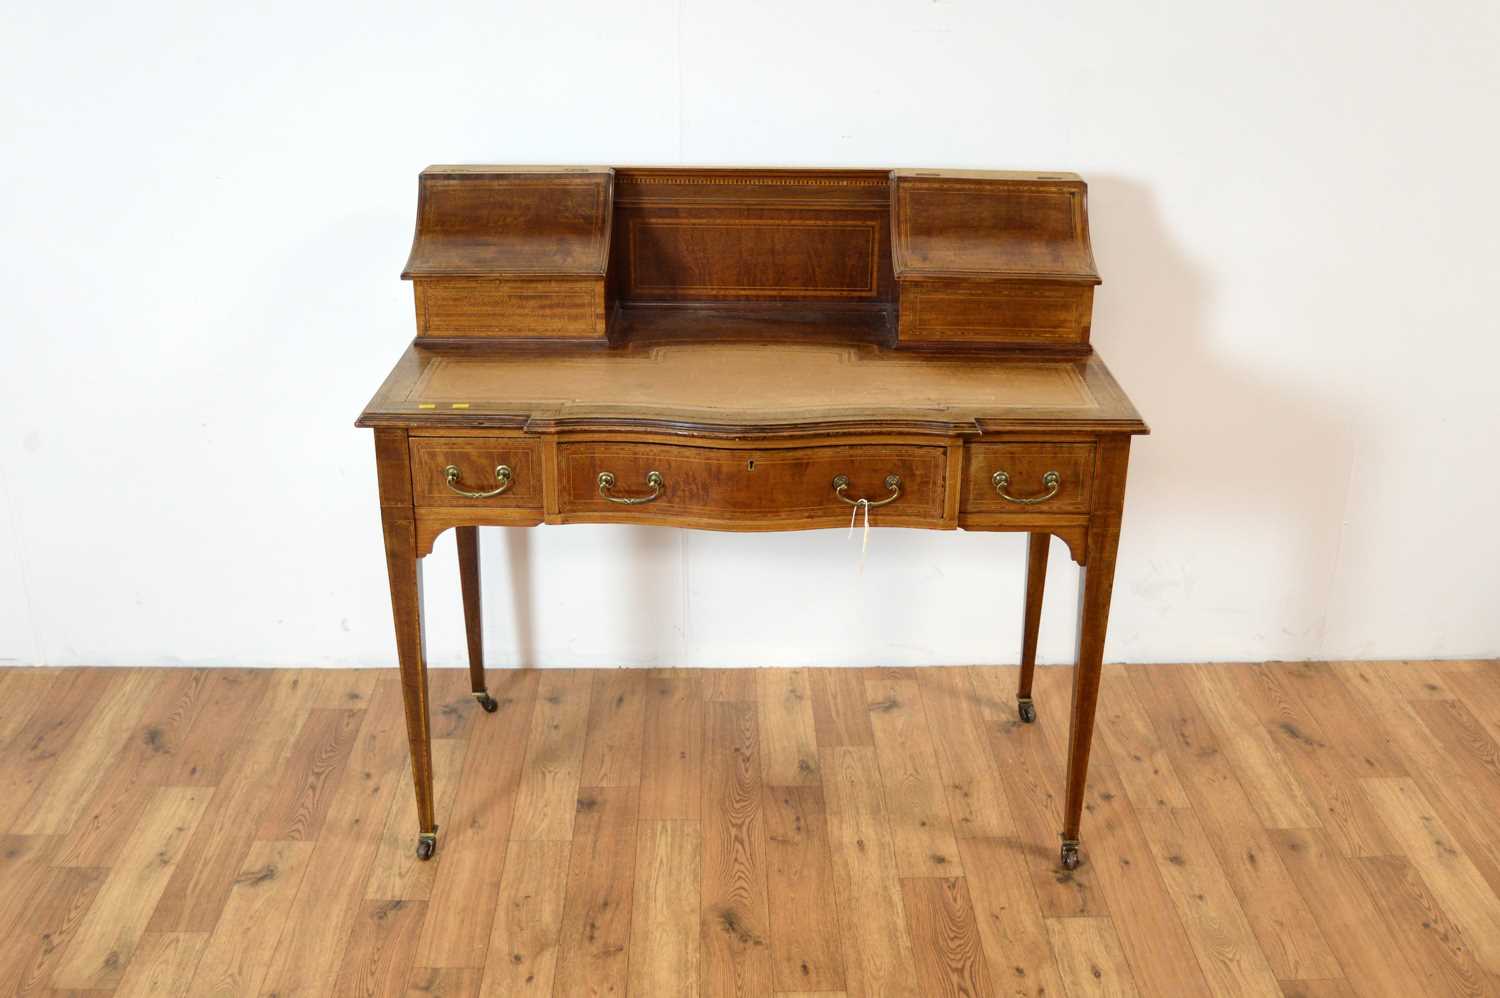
[989,224]
[512,221]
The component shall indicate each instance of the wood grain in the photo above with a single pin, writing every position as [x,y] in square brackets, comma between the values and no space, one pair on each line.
[233,960]
[616,729]
[665,937]
[788,728]
[780,890]
[672,748]
[595,937]
[877,949]
[547,796]
[736,929]
[916,806]
[805,950]
[1090,959]
[945,939]
[106,939]
[522,956]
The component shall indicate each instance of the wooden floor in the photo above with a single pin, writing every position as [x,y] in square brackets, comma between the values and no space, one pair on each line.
[1299,829]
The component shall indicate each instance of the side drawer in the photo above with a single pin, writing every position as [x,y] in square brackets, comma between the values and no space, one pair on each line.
[1027,470]
[781,486]
[476,460]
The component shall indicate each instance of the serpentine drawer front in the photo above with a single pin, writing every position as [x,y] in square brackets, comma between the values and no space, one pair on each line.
[787,486]
[1028,478]
[492,472]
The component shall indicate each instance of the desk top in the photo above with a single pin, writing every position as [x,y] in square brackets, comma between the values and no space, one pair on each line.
[756,386]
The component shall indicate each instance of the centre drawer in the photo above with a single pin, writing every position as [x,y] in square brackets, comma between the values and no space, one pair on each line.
[777,486]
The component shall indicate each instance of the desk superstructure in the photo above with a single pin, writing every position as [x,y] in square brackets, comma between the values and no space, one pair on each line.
[751,349]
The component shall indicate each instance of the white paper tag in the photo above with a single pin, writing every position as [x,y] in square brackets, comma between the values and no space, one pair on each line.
[864,545]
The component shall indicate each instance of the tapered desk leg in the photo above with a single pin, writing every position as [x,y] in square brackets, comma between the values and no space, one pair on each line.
[1093,619]
[468,578]
[405,570]
[1036,580]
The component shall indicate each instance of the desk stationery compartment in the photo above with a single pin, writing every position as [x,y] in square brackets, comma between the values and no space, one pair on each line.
[786,485]
[511,253]
[488,472]
[987,260]
[1028,478]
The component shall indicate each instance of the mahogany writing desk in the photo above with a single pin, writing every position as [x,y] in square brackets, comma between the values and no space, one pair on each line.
[752,350]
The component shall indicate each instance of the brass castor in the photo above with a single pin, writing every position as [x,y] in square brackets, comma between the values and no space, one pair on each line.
[1026,709]
[487,702]
[426,845]
[1070,858]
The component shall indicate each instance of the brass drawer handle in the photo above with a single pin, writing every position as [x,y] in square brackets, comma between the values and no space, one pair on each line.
[892,484]
[1052,480]
[653,479]
[502,475]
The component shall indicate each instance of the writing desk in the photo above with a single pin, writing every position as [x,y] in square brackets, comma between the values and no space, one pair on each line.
[760,350]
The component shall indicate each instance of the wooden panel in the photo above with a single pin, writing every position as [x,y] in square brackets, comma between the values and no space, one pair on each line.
[547,797]
[50,923]
[312,773]
[974,312]
[321,916]
[716,255]
[1010,923]
[1458,886]
[1284,927]
[108,935]
[713,235]
[595,930]
[1090,959]
[1274,791]
[736,928]
[69,787]
[788,730]
[1227,951]
[1351,922]
[476,459]
[377,959]
[525,309]
[878,957]
[507,220]
[397,873]
[523,942]
[945,939]
[805,951]
[672,748]
[1201,898]
[38,744]
[163,965]
[616,727]
[921,827]
[1144,765]
[1027,464]
[791,484]
[1431,940]
[664,923]
[991,224]
[236,957]
[1032,774]
[841,712]
[976,797]
[195,896]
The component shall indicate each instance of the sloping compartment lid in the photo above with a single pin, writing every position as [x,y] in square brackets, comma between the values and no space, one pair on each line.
[982,224]
[516,221]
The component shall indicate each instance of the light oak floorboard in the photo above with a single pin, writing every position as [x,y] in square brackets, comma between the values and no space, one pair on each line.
[233,832]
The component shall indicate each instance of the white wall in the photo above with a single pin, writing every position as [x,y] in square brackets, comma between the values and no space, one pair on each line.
[206,207]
